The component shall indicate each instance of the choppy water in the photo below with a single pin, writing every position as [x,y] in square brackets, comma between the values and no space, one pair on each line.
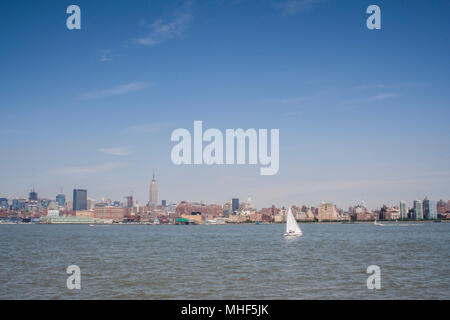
[225,261]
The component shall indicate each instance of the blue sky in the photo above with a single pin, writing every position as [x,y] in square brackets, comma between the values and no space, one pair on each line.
[363,114]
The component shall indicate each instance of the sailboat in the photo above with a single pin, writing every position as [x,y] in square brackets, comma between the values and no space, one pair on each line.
[292,228]
[377,223]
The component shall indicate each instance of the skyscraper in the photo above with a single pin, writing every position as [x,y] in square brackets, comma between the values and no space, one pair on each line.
[4,203]
[33,196]
[153,191]
[79,199]
[129,201]
[249,202]
[418,210]
[61,199]
[403,213]
[234,204]
[429,209]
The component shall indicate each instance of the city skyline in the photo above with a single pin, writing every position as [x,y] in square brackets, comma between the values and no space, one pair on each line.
[86,210]
[363,114]
[234,202]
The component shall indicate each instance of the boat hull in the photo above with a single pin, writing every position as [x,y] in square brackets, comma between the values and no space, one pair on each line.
[292,235]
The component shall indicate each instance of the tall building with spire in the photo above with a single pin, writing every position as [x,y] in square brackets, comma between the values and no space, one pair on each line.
[33,196]
[249,202]
[153,199]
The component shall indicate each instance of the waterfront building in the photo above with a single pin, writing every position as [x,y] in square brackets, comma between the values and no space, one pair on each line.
[237,218]
[52,213]
[206,211]
[268,214]
[418,210]
[234,204]
[110,213]
[281,215]
[365,216]
[411,213]
[301,216]
[153,196]
[344,217]
[84,213]
[67,220]
[441,207]
[4,203]
[304,214]
[327,211]
[429,209]
[79,199]
[61,199]
[390,213]
[195,217]
[403,211]
[360,212]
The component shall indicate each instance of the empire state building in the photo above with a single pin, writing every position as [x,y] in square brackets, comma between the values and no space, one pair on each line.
[153,191]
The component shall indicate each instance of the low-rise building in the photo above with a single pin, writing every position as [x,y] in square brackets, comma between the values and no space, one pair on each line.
[237,218]
[84,213]
[110,213]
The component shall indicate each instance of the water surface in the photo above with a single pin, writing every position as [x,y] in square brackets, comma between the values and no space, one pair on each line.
[225,261]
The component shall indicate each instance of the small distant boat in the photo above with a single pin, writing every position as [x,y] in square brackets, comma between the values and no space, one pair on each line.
[377,223]
[292,228]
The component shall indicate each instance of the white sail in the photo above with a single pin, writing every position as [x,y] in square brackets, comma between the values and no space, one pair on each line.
[291,225]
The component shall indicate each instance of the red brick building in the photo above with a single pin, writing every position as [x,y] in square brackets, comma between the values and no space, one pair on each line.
[207,211]
[268,214]
[110,213]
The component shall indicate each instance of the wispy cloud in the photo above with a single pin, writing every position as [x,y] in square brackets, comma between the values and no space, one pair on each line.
[151,127]
[388,86]
[292,7]
[117,151]
[90,169]
[378,97]
[106,55]
[118,90]
[165,29]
